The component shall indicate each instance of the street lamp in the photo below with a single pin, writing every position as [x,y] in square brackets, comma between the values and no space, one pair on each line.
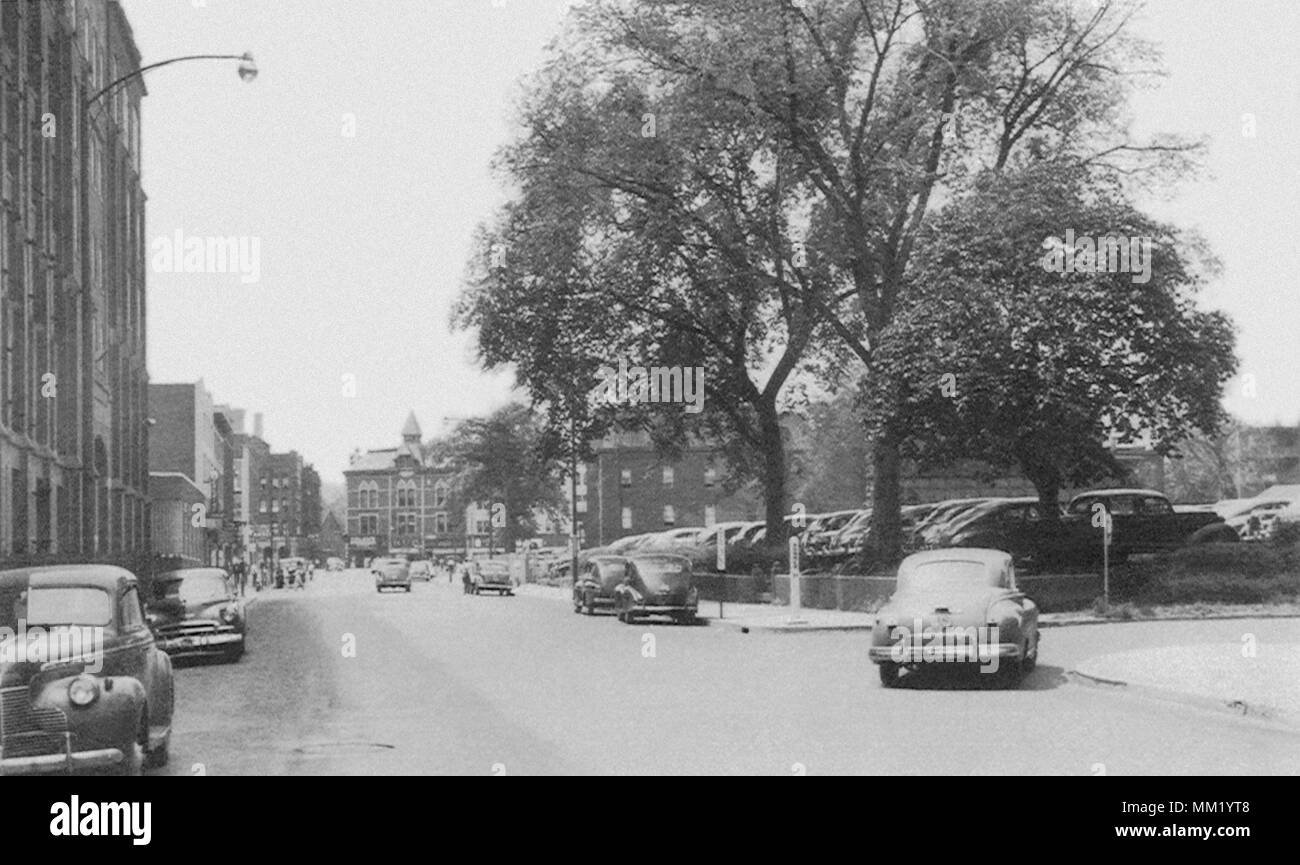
[247,70]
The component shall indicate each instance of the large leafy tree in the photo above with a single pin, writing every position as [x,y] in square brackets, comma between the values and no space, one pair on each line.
[883,108]
[658,245]
[999,357]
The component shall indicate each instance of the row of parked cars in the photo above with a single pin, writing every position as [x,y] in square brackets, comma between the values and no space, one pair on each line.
[86,680]
[1143,521]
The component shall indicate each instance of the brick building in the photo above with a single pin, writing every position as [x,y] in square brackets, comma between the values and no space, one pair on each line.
[402,501]
[74,468]
[628,489]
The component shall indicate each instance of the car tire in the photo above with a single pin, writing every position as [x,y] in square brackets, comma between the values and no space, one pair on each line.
[233,655]
[1031,658]
[408,590]
[577,604]
[160,756]
[589,602]
[685,619]
[889,674]
[132,764]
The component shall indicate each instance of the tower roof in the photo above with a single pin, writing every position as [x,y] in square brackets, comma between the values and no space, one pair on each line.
[412,427]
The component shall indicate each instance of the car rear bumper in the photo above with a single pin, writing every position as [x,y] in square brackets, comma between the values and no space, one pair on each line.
[68,761]
[943,654]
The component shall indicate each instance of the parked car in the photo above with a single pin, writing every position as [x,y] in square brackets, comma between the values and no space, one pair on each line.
[1254,522]
[704,554]
[491,576]
[197,612]
[1144,522]
[821,532]
[391,573]
[956,606]
[422,570]
[596,582]
[657,584]
[925,532]
[675,539]
[106,708]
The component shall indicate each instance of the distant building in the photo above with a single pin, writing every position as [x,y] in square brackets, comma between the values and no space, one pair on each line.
[332,541]
[402,502]
[190,438]
[628,489]
[177,524]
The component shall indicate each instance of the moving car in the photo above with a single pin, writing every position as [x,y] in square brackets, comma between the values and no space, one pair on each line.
[492,576]
[422,570]
[657,584]
[391,573]
[596,583]
[103,706]
[196,612]
[957,606]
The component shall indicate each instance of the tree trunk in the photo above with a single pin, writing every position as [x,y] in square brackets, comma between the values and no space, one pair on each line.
[886,499]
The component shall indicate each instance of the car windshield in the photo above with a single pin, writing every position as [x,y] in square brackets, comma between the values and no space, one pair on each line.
[948,575]
[494,569]
[55,605]
[201,588]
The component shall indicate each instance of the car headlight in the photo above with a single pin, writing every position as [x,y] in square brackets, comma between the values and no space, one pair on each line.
[693,596]
[82,691]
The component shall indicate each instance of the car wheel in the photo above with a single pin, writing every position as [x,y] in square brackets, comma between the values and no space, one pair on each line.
[233,655]
[589,602]
[159,757]
[628,617]
[1031,656]
[408,589]
[685,618]
[577,604]
[132,755]
[888,674]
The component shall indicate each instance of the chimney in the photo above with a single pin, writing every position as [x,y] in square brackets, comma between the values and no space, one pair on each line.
[257,424]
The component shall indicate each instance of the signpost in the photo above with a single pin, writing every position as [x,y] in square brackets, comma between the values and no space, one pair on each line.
[796,589]
[721,562]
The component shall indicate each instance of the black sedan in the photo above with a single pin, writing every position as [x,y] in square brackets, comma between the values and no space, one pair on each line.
[197,612]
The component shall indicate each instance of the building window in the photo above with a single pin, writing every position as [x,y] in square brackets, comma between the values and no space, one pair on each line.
[625,477]
[440,495]
[440,523]
[710,476]
[275,506]
[369,524]
[627,518]
[710,514]
[262,505]
[668,476]
[670,515]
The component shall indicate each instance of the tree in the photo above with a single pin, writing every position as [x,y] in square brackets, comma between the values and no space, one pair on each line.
[882,107]
[503,470]
[1001,359]
[657,246]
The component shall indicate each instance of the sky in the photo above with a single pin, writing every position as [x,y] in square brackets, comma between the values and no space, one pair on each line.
[357,166]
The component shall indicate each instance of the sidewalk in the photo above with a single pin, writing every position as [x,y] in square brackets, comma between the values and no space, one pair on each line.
[1262,681]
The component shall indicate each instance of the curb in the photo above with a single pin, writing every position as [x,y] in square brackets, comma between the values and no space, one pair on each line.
[780,628]
[1240,708]
[1093,620]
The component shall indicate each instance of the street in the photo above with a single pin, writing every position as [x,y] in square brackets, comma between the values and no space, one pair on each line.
[446,683]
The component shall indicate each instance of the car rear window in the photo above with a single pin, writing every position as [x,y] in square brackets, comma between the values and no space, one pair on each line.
[953,574]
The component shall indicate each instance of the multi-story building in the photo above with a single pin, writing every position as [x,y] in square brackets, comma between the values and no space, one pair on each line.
[249,456]
[629,489]
[280,502]
[187,440]
[401,501]
[73,385]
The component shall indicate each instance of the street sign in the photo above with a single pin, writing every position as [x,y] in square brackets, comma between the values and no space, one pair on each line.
[796,586]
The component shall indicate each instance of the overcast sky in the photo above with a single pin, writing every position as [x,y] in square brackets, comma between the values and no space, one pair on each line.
[363,238]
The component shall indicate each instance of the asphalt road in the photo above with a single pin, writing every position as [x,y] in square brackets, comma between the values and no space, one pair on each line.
[441,682]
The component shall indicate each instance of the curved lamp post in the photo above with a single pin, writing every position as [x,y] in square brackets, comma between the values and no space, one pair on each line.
[247,70]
